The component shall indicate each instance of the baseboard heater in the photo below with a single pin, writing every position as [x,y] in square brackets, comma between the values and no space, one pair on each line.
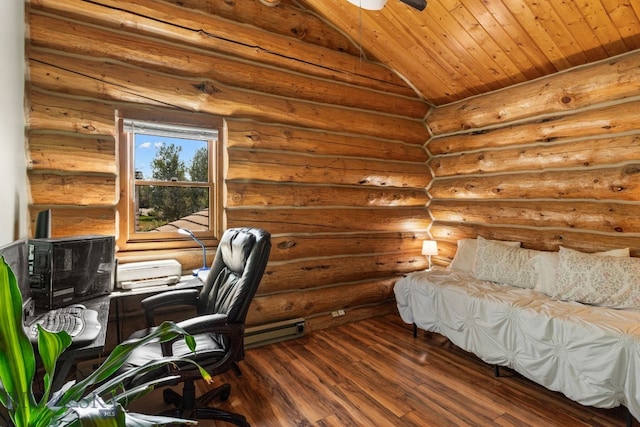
[256,336]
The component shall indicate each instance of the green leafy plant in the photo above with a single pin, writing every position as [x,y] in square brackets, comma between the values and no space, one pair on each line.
[97,400]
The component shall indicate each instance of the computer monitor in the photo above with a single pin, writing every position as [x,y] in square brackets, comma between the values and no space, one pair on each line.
[17,257]
[43,225]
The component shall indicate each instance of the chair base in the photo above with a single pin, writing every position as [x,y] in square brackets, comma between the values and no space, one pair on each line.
[188,406]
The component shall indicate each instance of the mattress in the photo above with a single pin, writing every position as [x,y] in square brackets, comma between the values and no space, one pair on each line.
[590,354]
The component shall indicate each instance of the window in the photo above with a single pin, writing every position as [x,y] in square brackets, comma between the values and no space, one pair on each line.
[169,171]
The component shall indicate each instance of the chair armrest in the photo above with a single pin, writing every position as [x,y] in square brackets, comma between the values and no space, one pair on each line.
[211,323]
[177,297]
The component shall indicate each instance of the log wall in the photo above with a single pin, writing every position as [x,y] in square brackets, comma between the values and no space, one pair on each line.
[324,149]
[552,162]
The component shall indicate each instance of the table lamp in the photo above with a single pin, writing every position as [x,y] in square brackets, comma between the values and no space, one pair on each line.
[204,250]
[429,247]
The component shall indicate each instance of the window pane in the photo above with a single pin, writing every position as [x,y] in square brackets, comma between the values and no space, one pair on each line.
[162,158]
[169,208]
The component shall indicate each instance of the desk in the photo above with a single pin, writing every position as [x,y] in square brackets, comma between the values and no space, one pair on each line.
[70,357]
[101,304]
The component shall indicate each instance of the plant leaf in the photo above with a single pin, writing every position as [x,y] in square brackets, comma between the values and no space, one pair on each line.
[134,393]
[17,359]
[50,346]
[103,374]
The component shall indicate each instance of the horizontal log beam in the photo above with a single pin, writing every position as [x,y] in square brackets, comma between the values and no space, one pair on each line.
[601,82]
[253,194]
[286,248]
[617,118]
[70,190]
[615,183]
[313,273]
[602,217]
[59,113]
[336,220]
[575,154]
[280,167]
[77,221]
[289,305]
[243,134]
[70,153]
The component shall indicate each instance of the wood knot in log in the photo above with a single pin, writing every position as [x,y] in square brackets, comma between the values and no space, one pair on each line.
[208,88]
[254,136]
[631,170]
[318,267]
[287,244]
[299,33]
[565,99]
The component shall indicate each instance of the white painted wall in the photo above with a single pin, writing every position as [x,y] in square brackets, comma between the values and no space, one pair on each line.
[13,181]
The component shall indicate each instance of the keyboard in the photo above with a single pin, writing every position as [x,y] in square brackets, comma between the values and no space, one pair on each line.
[79,322]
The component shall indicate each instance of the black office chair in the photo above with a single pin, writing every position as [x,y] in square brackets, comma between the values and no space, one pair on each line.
[218,328]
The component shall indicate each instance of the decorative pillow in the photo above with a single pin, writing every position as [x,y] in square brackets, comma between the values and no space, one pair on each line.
[466,254]
[499,263]
[595,279]
[545,268]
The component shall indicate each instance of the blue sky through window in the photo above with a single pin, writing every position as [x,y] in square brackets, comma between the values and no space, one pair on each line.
[146,147]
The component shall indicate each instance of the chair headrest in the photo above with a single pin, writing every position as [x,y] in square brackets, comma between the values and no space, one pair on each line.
[235,248]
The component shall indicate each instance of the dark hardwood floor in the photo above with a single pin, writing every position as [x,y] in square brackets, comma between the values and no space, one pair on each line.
[374,373]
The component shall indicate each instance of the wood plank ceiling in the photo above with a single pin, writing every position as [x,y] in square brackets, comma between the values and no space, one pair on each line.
[455,49]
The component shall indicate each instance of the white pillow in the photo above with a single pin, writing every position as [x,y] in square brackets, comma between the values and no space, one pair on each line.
[466,254]
[545,268]
[500,263]
[600,280]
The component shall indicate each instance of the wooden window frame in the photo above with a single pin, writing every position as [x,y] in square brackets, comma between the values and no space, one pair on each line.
[128,239]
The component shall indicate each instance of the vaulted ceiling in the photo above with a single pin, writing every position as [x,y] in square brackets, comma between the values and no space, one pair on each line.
[459,48]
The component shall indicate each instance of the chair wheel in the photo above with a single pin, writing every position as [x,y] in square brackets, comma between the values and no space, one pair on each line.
[171,397]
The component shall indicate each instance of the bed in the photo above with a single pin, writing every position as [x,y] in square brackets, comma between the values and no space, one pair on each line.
[515,318]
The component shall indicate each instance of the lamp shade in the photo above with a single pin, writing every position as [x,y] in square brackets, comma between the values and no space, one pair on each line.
[429,247]
[369,4]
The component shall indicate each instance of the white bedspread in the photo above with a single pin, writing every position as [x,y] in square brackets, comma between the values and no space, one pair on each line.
[591,354]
